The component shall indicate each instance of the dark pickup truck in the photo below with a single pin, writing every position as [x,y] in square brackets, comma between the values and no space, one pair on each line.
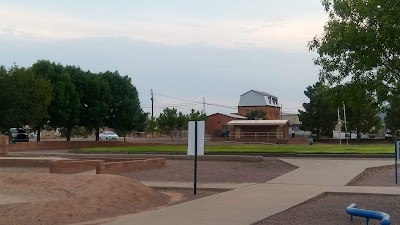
[18,135]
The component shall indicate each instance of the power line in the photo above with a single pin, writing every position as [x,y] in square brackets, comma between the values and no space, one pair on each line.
[143,92]
[197,102]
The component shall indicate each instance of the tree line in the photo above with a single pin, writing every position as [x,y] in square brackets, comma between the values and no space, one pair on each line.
[50,95]
[321,113]
[171,120]
[359,59]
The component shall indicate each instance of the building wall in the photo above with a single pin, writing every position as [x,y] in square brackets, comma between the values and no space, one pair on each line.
[215,122]
[284,130]
[272,113]
[259,129]
[293,118]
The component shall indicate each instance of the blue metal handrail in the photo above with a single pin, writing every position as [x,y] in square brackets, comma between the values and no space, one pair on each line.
[368,214]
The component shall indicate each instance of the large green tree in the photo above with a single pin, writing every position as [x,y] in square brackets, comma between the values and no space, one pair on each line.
[319,116]
[94,94]
[64,108]
[361,107]
[167,121]
[24,99]
[360,43]
[392,118]
[124,112]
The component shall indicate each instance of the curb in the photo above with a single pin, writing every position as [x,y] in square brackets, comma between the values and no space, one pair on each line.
[300,155]
[228,158]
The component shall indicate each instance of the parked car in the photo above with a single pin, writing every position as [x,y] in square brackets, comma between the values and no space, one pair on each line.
[18,135]
[108,136]
[388,134]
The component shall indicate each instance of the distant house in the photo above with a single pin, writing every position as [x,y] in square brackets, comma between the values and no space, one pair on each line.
[257,100]
[238,126]
[217,123]
[296,125]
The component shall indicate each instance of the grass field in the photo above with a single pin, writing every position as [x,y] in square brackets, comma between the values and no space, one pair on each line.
[283,149]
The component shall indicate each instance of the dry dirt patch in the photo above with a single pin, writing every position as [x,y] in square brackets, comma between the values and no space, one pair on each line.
[38,198]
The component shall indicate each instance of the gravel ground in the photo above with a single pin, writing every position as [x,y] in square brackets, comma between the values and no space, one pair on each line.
[331,210]
[377,177]
[215,171]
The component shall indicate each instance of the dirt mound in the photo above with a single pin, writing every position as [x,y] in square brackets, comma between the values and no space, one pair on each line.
[32,198]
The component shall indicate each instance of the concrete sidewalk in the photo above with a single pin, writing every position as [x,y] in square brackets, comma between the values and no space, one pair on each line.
[189,185]
[326,172]
[246,205]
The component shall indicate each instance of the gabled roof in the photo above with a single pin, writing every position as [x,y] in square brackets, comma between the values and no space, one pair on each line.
[230,115]
[260,93]
[258,122]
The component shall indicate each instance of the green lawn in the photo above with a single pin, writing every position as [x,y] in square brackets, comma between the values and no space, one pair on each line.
[291,149]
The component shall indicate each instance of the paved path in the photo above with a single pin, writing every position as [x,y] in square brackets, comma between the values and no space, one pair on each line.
[246,205]
[210,186]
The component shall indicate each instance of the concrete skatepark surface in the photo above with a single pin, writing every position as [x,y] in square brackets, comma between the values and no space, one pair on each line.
[252,202]
[247,205]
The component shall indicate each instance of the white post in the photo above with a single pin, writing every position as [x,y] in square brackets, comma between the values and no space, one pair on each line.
[345,123]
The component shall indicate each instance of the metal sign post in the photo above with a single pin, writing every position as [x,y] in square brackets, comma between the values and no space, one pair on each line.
[195,158]
[196,144]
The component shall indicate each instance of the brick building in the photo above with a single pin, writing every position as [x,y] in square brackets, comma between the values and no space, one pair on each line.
[217,122]
[271,126]
[260,128]
[257,100]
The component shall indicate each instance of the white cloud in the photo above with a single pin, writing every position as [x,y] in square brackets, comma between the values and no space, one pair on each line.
[286,33]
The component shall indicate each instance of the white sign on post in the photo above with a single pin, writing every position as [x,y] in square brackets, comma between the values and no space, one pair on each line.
[200,138]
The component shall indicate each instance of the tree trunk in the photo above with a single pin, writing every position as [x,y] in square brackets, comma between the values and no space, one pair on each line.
[172,135]
[358,136]
[124,136]
[97,134]
[69,130]
[38,134]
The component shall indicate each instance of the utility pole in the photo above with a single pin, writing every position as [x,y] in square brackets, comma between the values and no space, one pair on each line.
[345,123]
[204,105]
[152,104]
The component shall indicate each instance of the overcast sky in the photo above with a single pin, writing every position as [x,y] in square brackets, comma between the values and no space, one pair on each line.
[179,48]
